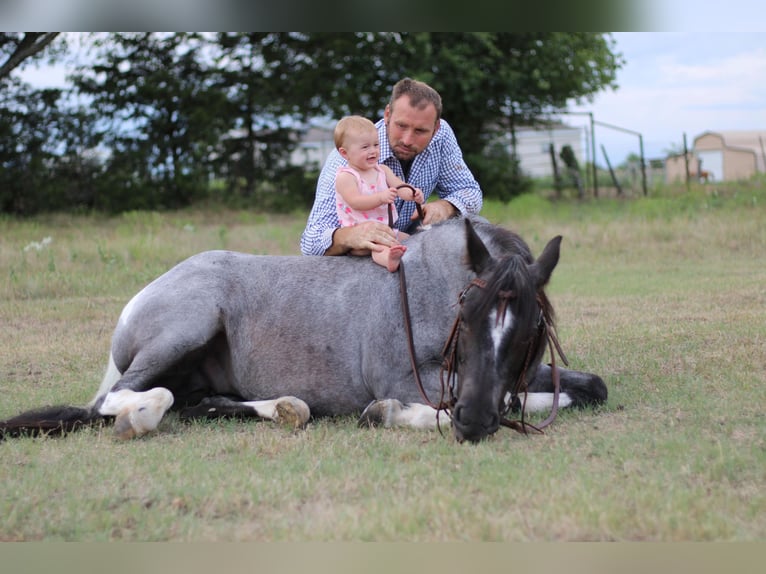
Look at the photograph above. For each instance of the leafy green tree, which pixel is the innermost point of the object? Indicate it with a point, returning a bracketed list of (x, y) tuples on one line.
[(492, 81), (169, 113), (17, 47), (30, 150), (257, 73), (164, 115), (489, 82)]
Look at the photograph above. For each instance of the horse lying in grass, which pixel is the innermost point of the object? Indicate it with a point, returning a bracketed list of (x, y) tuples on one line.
[(289, 337)]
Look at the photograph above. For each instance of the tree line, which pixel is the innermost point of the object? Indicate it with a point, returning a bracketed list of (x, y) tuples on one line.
[(161, 120)]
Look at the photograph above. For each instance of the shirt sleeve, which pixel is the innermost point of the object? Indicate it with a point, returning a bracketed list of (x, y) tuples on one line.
[(455, 182), (323, 218)]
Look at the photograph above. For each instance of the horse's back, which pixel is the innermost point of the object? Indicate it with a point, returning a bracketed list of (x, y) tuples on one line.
[(262, 326)]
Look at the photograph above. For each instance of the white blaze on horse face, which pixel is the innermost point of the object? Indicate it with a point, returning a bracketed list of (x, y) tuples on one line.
[(498, 329)]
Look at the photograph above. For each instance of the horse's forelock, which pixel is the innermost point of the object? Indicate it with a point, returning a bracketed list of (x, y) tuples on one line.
[(511, 282)]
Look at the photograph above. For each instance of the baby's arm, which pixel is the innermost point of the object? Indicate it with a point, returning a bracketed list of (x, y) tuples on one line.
[(347, 187), (406, 193)]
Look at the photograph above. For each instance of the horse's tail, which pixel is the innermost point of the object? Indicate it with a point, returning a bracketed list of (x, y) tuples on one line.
[(60, 419), (54, 420)]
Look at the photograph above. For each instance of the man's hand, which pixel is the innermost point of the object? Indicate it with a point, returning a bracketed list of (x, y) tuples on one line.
[(364, 237), (436, 211)]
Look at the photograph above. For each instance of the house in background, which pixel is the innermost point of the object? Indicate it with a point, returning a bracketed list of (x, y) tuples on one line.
[(721, 156)]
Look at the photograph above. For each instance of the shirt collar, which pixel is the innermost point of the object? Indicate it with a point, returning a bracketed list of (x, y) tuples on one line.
[(386, 152)]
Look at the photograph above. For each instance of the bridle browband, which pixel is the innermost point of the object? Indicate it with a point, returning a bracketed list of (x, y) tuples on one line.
[(448, 372)]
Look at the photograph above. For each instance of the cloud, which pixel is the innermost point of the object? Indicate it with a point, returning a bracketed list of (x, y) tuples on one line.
[(683, 83)]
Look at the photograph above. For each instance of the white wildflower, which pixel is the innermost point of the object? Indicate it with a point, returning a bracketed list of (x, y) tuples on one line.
[(39, 245)]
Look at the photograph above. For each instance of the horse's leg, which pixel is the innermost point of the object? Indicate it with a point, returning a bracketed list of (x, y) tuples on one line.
[(136, 413), (135, 400), (288, 411), (393, 413), (577, 389)]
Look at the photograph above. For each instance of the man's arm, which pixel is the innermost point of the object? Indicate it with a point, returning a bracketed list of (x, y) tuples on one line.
[(322, 222), (368, 236), (456, 184)]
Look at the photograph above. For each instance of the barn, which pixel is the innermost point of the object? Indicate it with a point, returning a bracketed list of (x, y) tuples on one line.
[(731, 155)]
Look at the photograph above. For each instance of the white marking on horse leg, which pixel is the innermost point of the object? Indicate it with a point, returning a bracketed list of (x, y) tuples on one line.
[(537, 402), (111, 376), (419, 416), (137, 413), (289, 411)]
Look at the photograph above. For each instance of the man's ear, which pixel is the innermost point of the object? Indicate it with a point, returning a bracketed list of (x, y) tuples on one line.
[(386, 113)]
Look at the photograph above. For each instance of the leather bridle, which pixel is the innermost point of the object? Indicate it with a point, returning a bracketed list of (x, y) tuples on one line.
[(448, 371)]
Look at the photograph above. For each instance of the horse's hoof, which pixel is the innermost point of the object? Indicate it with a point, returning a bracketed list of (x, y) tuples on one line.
[(142, 416), (292, 412), (123, 429), (379, 413)]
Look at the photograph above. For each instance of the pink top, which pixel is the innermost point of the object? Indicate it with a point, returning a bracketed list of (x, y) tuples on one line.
[(349, 216)]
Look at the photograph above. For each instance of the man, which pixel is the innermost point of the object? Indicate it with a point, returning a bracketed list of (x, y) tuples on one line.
[(422, 150)]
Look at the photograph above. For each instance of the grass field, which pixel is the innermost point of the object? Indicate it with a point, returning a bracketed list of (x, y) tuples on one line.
[(664, 297)]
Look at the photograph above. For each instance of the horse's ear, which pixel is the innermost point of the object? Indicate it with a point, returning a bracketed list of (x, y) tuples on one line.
[(478, 254), (546, 263)]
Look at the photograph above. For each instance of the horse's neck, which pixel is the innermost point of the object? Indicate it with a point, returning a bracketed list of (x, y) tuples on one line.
[(439, 261)]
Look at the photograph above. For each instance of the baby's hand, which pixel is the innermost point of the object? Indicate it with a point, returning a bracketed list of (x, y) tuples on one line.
[(387, 196), (409, 193)]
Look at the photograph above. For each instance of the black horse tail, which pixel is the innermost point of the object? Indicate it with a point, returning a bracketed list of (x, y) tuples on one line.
[(54, 420)]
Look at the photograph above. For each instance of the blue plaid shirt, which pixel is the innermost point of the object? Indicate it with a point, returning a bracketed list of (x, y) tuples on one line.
[(438, 168)]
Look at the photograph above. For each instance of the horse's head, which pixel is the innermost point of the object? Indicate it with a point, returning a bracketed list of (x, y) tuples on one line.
[(500, 333)]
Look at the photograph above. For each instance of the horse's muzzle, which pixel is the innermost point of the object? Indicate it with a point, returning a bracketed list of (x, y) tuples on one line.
[(474, 425)]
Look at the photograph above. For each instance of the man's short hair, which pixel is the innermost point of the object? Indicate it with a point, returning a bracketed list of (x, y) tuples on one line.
[(420, 94)]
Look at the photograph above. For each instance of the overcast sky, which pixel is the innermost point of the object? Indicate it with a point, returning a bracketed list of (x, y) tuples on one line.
[(680, 82)]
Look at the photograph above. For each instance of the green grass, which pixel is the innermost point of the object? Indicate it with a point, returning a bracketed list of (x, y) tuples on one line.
[(662, 296)]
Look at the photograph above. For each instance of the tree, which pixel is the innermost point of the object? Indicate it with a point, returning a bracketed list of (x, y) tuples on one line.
[(492, 81), (175, 111), (256, 71), (17, 47), (488, 81), (165, 116)]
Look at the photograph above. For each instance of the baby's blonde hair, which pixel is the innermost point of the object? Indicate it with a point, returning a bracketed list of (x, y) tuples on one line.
[(351, 124)]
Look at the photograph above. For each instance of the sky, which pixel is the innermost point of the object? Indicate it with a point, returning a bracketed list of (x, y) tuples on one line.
[(676, 83), (671, 84)]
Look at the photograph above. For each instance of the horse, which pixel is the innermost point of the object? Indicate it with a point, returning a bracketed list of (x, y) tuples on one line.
[(288, 338)]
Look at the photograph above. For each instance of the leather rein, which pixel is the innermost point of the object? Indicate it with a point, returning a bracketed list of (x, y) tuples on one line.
[(448, 372)]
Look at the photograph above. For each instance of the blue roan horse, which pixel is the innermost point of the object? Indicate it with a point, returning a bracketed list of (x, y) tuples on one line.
[(289, 337)]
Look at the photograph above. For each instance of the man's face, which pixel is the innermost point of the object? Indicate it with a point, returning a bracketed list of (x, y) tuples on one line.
[(409, 129)]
